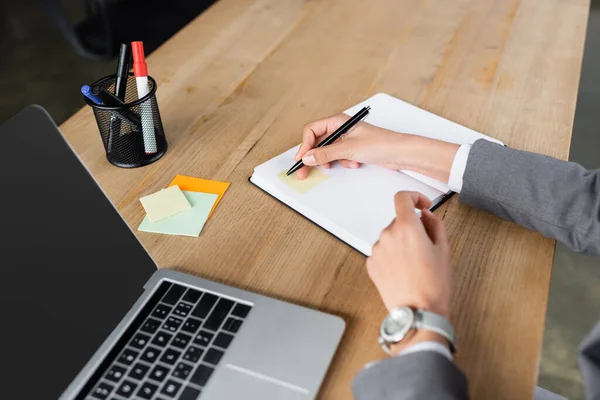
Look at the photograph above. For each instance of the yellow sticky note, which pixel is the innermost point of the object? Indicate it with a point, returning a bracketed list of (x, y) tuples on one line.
[(165, 203), (191, 184), (315, 177)]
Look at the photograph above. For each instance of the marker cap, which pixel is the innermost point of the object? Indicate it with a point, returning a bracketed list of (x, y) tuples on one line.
[(139, 61)]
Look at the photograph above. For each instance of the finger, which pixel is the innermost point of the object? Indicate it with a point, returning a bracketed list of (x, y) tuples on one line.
[(336, 151), (406, 202), (345, 163), (315, 130), (302, 173), (326, 165), (434, 226)]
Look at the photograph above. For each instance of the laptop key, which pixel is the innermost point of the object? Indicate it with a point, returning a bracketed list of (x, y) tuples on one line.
[(203, 338), (189, 393), (161, 311), (170, 356), (150, 354), (161, 339), (192, 295), (191, 325), (218, 314), (138, 371), (159, 373), (115, 373), (232, 324), (128, 356), (147, 390), (126, 389), (172, 324), (151, 325), (206, 303), (241, 310), (173, 294), (181, 340), (170, 388), (193, 354), (139, 341), (182, 370), (213, 356), (182, 309), (201, 375), (102, 391), (223, 340)]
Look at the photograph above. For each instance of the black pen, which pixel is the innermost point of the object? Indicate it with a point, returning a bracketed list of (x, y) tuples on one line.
[(336, 135), (122, 71)]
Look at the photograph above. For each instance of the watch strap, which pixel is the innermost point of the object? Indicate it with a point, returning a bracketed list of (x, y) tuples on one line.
[(433, 322)]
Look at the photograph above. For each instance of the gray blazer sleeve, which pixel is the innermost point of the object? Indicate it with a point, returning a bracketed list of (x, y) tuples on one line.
[(589, 363), (421, 375), (559, 199)]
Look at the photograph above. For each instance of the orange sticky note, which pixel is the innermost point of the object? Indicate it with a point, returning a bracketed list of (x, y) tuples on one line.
[(192, 184)]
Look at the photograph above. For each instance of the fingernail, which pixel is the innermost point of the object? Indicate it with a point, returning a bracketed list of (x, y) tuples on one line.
[(353, 165), (308, 159)]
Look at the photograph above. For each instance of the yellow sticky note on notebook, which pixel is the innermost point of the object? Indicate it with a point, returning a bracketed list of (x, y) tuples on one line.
[(314, 178), (192, 184), (165, 203)]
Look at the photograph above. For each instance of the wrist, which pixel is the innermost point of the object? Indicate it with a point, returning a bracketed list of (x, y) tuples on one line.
[(418, 336), (426, 156)]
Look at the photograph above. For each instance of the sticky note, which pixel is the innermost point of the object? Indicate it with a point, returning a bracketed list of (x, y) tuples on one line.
[(315, 177), (187, 223), (165, 203), (191, 184)]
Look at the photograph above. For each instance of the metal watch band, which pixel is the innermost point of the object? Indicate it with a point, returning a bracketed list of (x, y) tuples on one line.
[(436, 323)]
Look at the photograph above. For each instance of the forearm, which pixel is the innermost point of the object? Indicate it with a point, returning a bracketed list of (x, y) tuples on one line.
[(426, 156), (559, 199)]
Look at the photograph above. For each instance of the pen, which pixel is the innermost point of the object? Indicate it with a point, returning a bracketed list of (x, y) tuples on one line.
[(106, 97), (111, 100), (122, 72), (87, 92), (140, 71), (336, 135)]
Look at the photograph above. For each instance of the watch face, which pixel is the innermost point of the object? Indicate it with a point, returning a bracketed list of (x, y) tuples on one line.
[(397, 324)]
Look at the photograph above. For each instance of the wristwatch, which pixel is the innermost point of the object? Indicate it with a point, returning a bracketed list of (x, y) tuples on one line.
[(401, 320)]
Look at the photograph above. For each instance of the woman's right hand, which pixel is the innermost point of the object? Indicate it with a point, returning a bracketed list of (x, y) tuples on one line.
[(364, 144), (369, 144)]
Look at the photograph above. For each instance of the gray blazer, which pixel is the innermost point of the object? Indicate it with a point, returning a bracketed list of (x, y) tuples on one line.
[(556, 198)]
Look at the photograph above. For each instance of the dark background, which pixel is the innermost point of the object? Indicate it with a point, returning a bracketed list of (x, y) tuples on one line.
[(39, 65)]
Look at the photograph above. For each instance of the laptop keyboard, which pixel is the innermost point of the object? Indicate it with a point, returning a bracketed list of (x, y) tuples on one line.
[(171, 349)]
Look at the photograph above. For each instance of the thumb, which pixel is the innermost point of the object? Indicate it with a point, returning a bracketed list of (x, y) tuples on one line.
[(333, 152)]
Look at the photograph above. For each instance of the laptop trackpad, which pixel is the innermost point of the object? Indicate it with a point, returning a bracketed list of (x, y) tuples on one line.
[(232, 382)]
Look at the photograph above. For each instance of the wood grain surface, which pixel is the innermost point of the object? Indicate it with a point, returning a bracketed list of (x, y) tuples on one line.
[(239, 82)]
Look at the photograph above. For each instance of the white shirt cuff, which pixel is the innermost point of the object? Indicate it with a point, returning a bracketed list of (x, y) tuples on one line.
[(458, 168), (422, 346), (427, 346)]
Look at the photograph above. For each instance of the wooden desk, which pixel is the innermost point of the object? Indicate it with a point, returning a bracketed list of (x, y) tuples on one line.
[(238, 83)]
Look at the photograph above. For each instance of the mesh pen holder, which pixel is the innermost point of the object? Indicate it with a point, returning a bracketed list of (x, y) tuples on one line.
[(132, 134)]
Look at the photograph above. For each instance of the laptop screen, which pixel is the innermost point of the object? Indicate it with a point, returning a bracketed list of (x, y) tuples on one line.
[(71, 267)]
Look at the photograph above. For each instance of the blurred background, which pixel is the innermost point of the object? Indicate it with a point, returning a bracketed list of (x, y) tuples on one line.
[(51, 47)]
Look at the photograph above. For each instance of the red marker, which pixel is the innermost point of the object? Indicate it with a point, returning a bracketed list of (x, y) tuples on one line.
[(140, 70)]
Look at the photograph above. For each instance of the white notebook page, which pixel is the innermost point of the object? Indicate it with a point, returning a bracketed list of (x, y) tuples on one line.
[(354, 205)]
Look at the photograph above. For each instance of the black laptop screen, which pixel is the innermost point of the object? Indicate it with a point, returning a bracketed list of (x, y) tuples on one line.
[(71, 268)]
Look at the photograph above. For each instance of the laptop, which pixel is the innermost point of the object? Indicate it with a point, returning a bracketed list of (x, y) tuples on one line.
[(87, 315)]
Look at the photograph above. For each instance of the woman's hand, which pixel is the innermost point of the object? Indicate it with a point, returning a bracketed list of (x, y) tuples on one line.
[(368, 144)]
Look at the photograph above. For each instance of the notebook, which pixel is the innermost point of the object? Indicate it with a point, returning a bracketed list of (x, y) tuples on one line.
[(355, 205)]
